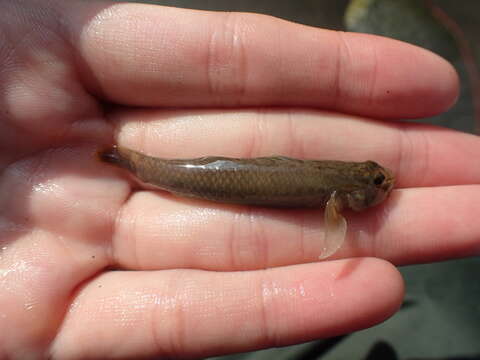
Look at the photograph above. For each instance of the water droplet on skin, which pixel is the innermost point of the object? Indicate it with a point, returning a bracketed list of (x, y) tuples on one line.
[(46, 187)]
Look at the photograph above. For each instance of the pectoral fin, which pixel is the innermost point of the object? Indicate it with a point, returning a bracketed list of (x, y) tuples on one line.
[(336, 227)]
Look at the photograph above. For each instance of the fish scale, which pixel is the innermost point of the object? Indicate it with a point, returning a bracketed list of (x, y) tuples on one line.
[(267, 181)]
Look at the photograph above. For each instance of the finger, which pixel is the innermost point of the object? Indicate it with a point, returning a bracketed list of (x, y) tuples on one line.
[(419, 226), (418, 155), (413, 226), (149, 55), (195, 314)]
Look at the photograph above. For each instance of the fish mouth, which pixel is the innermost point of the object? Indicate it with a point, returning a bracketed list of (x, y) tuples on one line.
[(389, 180), (386, 187)]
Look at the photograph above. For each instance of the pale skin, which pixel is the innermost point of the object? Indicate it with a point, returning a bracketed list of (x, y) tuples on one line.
[(67, 220)]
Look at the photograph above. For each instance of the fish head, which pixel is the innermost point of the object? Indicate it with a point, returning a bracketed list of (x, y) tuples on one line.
[(375, 184)]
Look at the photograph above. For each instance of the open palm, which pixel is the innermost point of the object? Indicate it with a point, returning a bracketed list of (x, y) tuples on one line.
[(92, 267)]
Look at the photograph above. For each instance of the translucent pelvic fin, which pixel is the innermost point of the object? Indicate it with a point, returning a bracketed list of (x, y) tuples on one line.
[(336, 228)]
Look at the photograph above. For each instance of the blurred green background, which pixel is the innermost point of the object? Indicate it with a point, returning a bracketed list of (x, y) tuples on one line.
[(440, 318)]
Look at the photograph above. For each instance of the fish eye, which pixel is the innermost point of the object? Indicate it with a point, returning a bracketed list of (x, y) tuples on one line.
[(379, 179)]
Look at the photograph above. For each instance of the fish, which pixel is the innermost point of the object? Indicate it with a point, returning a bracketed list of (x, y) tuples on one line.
[(274, 181)]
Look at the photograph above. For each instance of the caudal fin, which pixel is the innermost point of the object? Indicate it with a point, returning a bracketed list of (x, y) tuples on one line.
[(113, 156)]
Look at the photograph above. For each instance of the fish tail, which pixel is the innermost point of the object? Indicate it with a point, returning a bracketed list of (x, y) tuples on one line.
[(113, 155)]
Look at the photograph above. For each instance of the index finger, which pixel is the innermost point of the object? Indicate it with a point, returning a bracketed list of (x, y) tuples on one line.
[(158, 56)]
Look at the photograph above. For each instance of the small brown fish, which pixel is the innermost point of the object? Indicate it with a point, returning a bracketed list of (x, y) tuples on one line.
[(275, 181)]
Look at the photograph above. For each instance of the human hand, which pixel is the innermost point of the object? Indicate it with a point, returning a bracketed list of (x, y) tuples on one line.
[(91, 269)]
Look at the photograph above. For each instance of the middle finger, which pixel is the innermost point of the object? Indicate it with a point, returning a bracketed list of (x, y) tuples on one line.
[(165, 231)]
